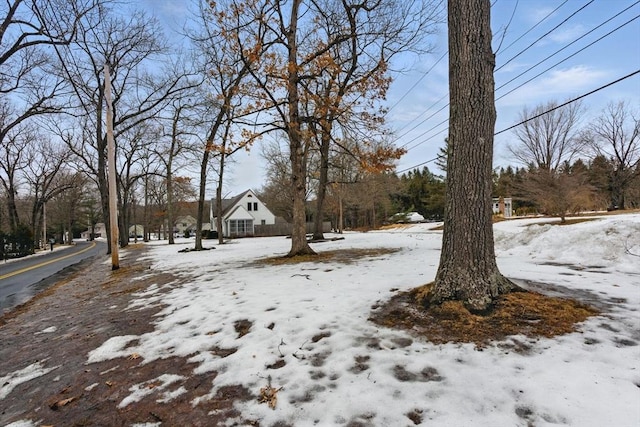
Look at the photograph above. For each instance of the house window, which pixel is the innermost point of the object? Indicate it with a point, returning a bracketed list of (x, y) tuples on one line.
[(249, 206), (263, 222), (240, 227), (255, 206)]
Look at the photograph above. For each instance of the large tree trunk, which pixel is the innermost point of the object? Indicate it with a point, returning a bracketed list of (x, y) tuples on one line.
[(145, 211), (322, 185), (299, 244), (12, 209), (468, 270), (219, 200), (201, 198), (170, 219)]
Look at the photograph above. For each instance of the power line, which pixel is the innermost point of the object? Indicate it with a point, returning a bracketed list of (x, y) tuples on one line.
[(568, 57), (524, 72), (570, 44), (418, 165), (532, 28), (427, 118), (416, 83), (443, 97), (543, 113), (427, 131), (570, 101), (545, 35)]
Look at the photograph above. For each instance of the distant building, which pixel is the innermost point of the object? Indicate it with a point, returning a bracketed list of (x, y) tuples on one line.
[(183, 225), (99, 230), (136, 231), (240, 215), (502, 206)]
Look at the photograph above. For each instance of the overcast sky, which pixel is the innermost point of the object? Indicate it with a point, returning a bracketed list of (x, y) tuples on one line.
[(526, 32)]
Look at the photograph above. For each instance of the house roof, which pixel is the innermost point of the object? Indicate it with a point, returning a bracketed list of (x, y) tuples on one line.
[(228, 204)]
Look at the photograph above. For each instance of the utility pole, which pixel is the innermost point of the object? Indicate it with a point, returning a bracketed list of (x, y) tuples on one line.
[(111, 159), (44, 225)]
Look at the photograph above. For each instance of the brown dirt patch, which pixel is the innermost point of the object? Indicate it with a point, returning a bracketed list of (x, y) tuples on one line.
[(517, 313), (86, 309), (344, 256), (567, 221)]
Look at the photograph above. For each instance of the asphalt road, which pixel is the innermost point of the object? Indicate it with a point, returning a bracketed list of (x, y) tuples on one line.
[(23, 278)]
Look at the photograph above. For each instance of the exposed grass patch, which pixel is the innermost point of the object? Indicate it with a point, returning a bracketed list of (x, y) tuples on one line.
[(517, 313), (344, 256)]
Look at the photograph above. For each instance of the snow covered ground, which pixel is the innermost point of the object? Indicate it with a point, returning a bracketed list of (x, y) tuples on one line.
[(309, 334)]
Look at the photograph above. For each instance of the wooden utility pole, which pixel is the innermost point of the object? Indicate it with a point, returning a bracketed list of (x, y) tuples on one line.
[(44, 226), (111, 160)]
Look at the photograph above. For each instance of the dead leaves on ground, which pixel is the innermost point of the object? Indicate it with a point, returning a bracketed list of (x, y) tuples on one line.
[(269, 395), (343, 256), (517, 313), (60, 403)]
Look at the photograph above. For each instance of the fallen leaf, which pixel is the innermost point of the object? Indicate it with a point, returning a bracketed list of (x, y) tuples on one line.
[(134, 356), (269, 395), (61, 403), (109, 383)]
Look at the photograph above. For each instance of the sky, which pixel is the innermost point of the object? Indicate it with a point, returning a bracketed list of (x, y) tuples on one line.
[(311, 336), (525, 34)]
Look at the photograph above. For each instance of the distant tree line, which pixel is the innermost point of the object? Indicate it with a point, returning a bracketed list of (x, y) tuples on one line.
[(564, 169)]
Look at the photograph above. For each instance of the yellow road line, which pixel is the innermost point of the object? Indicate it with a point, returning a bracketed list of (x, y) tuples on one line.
[(42, 264)]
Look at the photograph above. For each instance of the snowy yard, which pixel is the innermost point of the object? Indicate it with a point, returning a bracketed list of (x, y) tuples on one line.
[(303, 329)]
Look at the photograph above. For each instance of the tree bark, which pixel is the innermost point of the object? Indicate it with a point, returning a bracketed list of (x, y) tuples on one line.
[(468, 271), (219, 201), (322, 185), (201, 198), (299, 244)]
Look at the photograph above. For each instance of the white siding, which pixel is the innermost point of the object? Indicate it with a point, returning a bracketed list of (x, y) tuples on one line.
[(258, 215)]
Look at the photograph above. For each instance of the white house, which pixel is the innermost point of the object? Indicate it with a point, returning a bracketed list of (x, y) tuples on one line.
[(502, 206), (99, 230), (241, 214), (184, 224)]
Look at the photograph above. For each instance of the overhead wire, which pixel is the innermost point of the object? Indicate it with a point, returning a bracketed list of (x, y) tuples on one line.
[(591, 92), (444, 96), (529, 69), (532, 28), (575, 41), (545, 35)]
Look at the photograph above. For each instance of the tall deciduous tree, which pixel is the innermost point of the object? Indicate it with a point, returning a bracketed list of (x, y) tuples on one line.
[(350, 77), (548, 136), (29, 87), (468, 271), (227, 56), (548, 140), (320, 56), (128, 44), (615, 135), (48, 176)]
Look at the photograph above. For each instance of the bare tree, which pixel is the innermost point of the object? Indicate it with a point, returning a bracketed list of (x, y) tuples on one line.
[(548, 135), (128, 45), (47, 176), (179, 128), (13, 155), (351, 77), (558, 192), (468, 271), (64, 208), (548, 139), (615, 135), (29, 87), (226, 56), (307, 38)]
